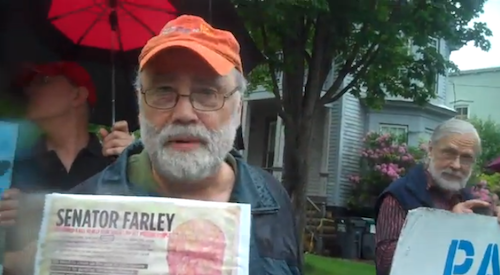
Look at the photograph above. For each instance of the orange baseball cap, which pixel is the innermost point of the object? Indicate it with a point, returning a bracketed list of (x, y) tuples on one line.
[(71, 70), (219, 48)]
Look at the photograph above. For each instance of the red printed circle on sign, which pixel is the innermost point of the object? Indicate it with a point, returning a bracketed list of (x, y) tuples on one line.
[(196, 247)]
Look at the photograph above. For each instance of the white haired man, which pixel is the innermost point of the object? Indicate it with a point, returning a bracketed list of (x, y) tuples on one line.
[(440, 183), (190, 87)]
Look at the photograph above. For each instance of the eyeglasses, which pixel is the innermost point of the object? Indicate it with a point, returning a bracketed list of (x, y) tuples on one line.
[(449, 155), (205, 100)]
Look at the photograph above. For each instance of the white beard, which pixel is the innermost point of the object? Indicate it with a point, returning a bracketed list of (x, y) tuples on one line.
[(449, 185), (185, 167)]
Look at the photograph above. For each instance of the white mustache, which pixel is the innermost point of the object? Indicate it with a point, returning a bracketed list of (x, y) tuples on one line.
[(453, 173), (176, 131)]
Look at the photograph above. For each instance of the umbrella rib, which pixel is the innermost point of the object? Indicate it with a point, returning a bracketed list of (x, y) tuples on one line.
[(89, 28), (147, 7), (70, 13), (138, 21)]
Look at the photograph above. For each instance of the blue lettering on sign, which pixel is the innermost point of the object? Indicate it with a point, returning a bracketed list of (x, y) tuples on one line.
[(489, 259)]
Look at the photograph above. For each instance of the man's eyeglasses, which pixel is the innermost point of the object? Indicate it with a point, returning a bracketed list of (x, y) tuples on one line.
[(451, 155), (205, 100)]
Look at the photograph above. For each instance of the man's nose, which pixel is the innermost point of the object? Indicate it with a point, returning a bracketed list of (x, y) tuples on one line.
[(455, 165), (183, 111)]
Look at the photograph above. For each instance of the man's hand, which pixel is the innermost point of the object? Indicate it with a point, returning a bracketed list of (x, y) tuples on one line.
[(468, 206), (20, 262), (117, 140), (9, 207)]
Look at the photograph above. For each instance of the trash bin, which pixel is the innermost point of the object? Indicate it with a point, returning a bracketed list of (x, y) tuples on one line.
[(350, 236), (368, 242)]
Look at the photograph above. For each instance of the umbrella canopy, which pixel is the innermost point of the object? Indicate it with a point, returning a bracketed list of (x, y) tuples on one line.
[(30, 39), (91, 29)]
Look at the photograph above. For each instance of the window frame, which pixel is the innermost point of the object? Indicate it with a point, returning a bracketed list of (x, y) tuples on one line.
[(460, 115), (396, 127)]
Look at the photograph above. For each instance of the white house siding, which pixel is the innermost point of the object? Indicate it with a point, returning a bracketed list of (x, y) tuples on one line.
[(334, 152), (441, 83), (352, 130), (478, 91)]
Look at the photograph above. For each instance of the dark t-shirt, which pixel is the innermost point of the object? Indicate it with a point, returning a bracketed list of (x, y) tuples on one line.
[(41, 171)]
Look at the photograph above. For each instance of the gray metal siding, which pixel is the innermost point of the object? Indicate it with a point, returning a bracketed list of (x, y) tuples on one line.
[(316, 186), (352, 132), (334, 151)]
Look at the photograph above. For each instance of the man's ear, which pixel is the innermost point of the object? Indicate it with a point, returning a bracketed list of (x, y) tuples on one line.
[(81, 95)]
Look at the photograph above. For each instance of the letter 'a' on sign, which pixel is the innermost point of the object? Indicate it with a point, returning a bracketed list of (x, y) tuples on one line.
[(489, 261)]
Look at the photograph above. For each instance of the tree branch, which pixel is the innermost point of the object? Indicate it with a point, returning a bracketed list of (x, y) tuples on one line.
[(367, 61), (344, 71), (332, 95), (315, 74)]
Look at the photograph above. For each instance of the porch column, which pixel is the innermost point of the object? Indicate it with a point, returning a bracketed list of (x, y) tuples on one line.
[(245, 126), (279, 145)]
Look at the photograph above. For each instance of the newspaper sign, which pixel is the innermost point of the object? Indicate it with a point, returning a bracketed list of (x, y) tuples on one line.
[(439, 242), (8, 145), (142, 235)]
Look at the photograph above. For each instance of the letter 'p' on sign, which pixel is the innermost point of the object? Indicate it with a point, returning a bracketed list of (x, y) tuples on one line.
[(461, 258)]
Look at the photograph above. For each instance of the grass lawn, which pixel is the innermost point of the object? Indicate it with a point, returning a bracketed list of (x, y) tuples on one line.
[(317, 265)]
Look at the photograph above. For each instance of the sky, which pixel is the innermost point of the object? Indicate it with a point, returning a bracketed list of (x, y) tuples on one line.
[(470, 57)]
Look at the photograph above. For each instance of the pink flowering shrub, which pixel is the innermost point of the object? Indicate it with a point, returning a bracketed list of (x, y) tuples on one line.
[(384, 159), (482, 192)]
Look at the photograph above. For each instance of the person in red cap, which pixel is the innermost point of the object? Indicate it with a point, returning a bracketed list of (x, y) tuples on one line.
[(59, 97), (190, 87)]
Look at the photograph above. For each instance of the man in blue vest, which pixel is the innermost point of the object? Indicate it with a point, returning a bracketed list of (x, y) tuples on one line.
[(190, 86), (439, 183)]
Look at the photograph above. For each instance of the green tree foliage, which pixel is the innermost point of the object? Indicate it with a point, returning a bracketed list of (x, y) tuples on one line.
[(489, 131), (380, 47)]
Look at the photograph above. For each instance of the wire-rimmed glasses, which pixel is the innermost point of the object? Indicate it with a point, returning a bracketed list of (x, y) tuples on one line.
[(165, 98)]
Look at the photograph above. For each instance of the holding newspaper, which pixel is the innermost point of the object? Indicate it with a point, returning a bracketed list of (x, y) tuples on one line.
[(134, 235), (190, 86)]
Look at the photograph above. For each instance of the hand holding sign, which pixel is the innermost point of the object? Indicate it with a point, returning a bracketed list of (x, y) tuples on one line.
[(468, 206), (9, 207)]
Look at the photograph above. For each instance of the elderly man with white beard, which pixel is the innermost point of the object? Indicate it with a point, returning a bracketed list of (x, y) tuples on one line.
[(190, 86), (439, 183)]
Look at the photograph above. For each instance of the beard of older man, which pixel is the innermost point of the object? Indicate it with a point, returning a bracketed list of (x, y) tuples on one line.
[(195, 165), (445, 184)]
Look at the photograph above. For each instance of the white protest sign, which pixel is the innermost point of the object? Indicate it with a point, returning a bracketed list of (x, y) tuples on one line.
[(438, 242), (142, 236)]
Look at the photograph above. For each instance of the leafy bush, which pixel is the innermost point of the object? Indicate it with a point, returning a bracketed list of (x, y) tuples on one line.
[(384, 159)]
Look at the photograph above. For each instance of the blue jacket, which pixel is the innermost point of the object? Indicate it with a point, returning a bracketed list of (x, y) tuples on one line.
[(274, 245), (411, 191)]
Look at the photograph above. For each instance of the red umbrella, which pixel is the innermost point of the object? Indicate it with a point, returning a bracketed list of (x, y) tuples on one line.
[(113, 25), (114, 31), (128, 24)]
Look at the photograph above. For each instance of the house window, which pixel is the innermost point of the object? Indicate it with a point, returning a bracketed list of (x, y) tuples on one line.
[(462, 112), (400, 131), (270, 144), (434, 42)]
